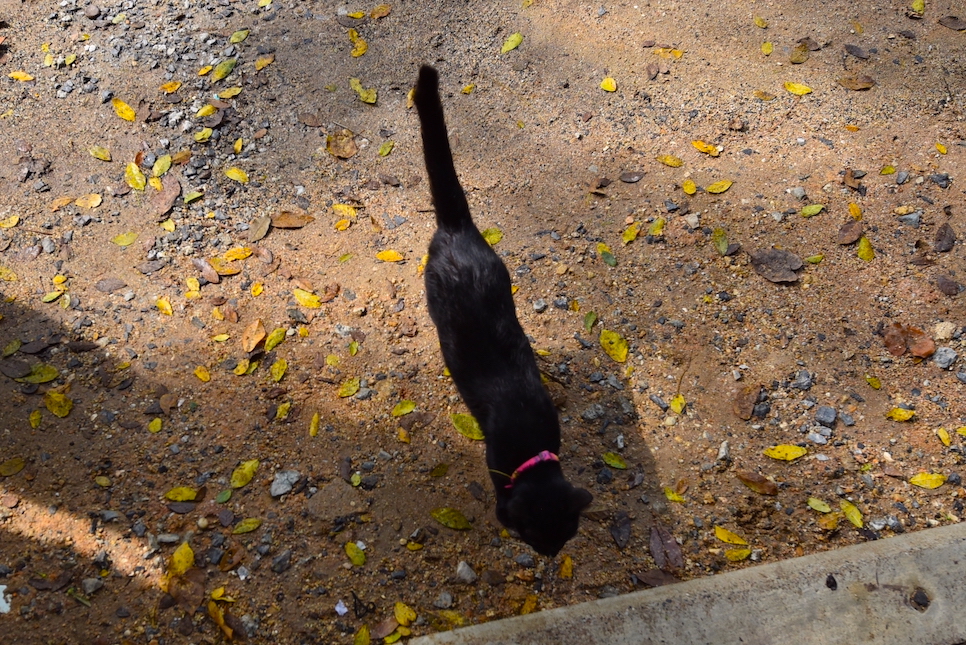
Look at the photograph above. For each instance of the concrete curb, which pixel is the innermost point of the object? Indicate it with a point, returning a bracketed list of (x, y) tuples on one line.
[(905, 589)]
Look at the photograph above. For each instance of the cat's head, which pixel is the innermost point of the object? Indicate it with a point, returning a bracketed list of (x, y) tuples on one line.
[(544, 512)]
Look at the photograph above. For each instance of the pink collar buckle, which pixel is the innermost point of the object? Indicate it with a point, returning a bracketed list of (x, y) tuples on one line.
[(544, 455)]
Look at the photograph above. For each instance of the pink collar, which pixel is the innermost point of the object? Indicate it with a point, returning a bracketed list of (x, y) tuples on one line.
[(544, 455)]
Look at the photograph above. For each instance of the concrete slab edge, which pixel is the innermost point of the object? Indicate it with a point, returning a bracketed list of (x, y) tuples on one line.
[(905, 589)]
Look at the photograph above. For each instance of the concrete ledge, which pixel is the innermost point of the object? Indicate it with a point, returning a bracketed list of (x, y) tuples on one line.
[(905, 589)]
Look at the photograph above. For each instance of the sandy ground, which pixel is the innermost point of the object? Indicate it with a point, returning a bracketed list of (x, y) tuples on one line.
[(89, 542)]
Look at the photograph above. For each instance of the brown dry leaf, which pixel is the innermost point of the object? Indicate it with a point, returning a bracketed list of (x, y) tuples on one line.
[(776, 265), (799, 55), (665, 549), (188, 590), (757, 483), (952, 22), (341, 144), (290, 219), (59, 203), (745, 400), (895, 339), (253, 335), (850, 232), (856, 82)]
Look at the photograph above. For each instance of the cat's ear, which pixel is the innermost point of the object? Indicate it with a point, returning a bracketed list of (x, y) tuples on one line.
[(580, 498)]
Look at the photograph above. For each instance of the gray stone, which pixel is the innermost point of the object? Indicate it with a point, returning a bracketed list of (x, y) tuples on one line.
[(540, 305), (91, 585), (816, 438), (92, 11), (444, 601), (798, 192), (465, 573), (284, 482), (961, 376), (169, 538), (902, 177), (282, 561), (803, 380), (912, 219), (825, 415), (945, 357), (525, 560)]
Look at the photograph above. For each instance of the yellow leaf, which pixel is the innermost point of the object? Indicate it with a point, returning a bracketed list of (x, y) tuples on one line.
[(677, 403), (207, 110), (356, 555), (381, 11), (608, 85), (155, 183), (785, 452), (614, 345), (566, 571), (451, 518), (229, 93), (237, 174), (855, 211), (389, 256), (92, 200), (342, 224), (52, 296), (943, 435), (307, 298), (941, 148), (223, 69), (492, 235), (761, 22), (277, 371), (58, 404), (35, 418), (263, 62), (22, 76), (763, 96), (403, 407), (918, 6), (410, 98), (161, 166), (349, 387), (100, 152), (865, 251), (873, 381), (467, 425), (164, 306), (727, 536), (314, 425), (737, 555), (529, 604), (900, 414), (852, 512), (887, 170), (220, 338), (719, 186), (202, 373), (244, 473), (203, 135), (672, 496), (707, 148), (12, 466), (359, 48), (689, 187), (181, 494), (204, 70), (123, 110), (154, 427), (961, 431), (344, 210), (468, 89), (257, 289), (767, 48), (134, 177), (512, 42), (247, 525), (217, 616), (366, 96), (171, 87), (797, 88), (928, 480), (656, 229), (818, 505), (237, 146), (238, 253), (182, 559), (404, 614), (630, 233), (362, 637), (238, 36)]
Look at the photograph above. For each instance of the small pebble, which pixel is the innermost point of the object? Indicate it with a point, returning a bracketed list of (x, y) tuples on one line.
[(540, 305), (282, 561), (525, 560), (92, 11), (945, 357), (465, 573), (444, 601), (825, 415), (91, 585)]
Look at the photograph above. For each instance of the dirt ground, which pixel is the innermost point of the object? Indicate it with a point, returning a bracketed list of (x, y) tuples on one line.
[(89, 542)]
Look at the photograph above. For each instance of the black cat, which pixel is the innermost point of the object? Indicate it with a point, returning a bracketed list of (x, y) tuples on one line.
[(487, 353)]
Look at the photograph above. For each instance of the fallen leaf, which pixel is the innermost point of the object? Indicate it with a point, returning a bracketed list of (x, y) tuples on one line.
[(706, 148), (797, 88), (23, 77), (451, 518), (341, 144), (228, 93), (218, 616), (566, 570), (247, 525), (275, 338), (928, 481), (664, 549), (181, 560), (202, 373), (763, 96), (689, 187), (155, 425), (170, 87), (403, 407), (608, 85), (944, 437), (181, 494), (123, 110), (386, 148), (785, 452), (776, 265), (307, 298), (952, 22), (767, 48), (134, 177), (512, 42), (760, 22), (389, 256), (244, 473), (799, 55), (864, 250), (238, 36), (356, 555), (264, 61), (757, 482), (727, 536), (673, 496), (630, 233), (254, 334), (164, 306), (614, 345), (719, 186), (100, 152), (812, 210), (856, 82), (818, 505), (223, 69), (900, 414), (670, 160), (492, 236), (381, 11), (366, 96), (92, 200), (467, 426), (614, 460), (737, 555), (850, 232), (349, 387), (58, 403), (11, 467), (39, 373), (237, 174), (852, 512)]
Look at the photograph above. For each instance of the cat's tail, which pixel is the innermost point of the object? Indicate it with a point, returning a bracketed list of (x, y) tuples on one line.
[(452, 211)]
